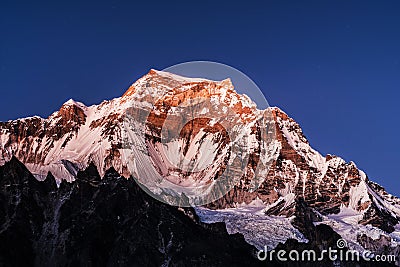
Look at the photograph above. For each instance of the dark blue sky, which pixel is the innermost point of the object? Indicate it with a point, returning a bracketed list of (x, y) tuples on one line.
[(334, 66)]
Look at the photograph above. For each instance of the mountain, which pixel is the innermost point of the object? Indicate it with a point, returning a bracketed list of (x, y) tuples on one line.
[(284, 191)]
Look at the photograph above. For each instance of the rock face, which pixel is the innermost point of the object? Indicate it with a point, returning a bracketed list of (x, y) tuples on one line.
[(104, 222), (111, 221), (300, 184), (324, 183), (324, 191)]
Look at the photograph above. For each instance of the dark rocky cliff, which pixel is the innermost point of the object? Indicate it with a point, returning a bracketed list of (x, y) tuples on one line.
[(104, 222)]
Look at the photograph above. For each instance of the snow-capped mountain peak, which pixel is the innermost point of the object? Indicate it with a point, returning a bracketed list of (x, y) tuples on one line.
[(299, 182)]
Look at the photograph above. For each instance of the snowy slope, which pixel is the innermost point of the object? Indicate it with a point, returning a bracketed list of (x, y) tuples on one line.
[(129, 134)]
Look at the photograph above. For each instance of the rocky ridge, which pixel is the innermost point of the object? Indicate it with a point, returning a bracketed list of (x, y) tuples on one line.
[(334, 192)]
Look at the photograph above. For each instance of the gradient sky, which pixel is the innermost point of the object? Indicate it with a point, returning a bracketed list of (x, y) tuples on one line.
[(334, 66)]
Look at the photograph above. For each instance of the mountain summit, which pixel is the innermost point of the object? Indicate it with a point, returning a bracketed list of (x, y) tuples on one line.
[(299, 190)]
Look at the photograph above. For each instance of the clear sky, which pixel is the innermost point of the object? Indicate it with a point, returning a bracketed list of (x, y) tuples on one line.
[(334, 66)]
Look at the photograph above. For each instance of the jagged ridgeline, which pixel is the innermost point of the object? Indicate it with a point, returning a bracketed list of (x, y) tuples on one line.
[(301, 193)]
